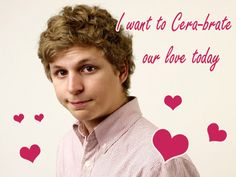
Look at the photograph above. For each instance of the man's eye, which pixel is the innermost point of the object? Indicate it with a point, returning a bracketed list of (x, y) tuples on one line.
[(61, 73), (88, 69)]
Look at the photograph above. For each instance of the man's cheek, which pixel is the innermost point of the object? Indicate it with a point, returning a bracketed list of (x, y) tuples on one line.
[(61, 97)]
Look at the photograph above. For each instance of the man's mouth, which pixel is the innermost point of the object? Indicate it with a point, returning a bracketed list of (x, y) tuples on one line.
[(79, 104)]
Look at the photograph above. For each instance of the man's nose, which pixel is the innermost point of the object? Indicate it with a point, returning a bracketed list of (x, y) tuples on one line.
[(75, 83)]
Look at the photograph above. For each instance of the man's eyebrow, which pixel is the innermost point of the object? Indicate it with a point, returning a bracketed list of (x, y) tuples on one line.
[(81, 62)]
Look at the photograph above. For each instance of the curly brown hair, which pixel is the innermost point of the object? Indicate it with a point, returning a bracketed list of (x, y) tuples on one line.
[(87, 26)]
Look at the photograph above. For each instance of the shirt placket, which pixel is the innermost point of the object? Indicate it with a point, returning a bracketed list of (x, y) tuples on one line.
[(88, 160)]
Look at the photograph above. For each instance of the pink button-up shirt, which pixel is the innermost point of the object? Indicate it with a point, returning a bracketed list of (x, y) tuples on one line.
[(120, 146)]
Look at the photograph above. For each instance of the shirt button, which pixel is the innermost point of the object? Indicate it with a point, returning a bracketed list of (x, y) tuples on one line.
[(87, 164)]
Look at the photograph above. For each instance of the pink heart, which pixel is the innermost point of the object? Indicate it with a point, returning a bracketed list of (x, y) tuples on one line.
[(30, 154), (215, 134), (39, 117), (169, 147), (173, 102), (18, 118)]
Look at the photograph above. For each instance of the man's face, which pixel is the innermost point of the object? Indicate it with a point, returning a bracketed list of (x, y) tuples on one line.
[(86, 83)]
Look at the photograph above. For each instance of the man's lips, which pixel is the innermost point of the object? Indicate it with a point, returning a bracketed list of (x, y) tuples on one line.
[(79, 104)]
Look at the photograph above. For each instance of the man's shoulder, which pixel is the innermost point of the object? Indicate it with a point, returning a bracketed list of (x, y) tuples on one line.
[(179, 166), (141, 137), (143, 129)]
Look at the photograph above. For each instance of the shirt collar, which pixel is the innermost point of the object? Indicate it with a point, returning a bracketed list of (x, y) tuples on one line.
[(114, 126)]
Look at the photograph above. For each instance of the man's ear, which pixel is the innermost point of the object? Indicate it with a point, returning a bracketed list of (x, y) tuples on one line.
[(123, 73)]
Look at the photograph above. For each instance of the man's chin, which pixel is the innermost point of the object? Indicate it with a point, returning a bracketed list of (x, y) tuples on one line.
[(80, 114)]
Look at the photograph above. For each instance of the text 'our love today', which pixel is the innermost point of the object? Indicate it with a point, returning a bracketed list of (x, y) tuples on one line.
[(198, 57)]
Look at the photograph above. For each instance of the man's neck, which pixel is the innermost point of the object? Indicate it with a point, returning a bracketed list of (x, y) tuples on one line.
[(91, 124)]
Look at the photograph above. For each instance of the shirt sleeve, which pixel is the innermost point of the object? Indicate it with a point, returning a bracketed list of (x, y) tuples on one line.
[(178, 167)]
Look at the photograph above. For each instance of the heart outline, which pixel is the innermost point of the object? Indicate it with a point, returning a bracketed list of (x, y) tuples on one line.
[(31, 153), (173, 102), (215, 134), (18, 118), (170, 147), (39, 117)]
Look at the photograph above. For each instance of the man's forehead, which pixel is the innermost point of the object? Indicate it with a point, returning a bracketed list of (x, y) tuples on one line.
[(80, 49), (61, 63), (80, 54)]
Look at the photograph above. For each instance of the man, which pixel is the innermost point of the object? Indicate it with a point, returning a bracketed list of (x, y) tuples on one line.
[(90, 64)]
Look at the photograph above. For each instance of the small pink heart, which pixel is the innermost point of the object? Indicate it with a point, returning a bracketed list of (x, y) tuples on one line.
[(39, 117), (215, 134), (173, 102), (30, 154), (169, 147), (18, 118)]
